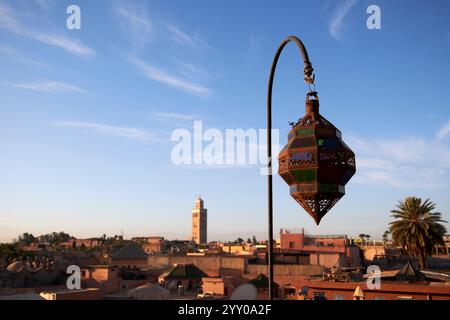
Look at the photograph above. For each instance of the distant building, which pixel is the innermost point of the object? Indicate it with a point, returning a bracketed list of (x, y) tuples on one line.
[(130, 256), (390, 290), (329, 251), (223, 285), (104, 277), (81, 294), (152, 245), (243, 249), (81, 243), (187, 275), (199, 222)]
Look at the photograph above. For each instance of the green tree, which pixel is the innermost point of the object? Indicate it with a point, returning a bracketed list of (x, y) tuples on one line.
[(254, 241), (26, 239), (9, 251), (417, 229)]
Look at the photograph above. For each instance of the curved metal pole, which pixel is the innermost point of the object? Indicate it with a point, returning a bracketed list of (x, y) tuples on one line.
[(309, 78)]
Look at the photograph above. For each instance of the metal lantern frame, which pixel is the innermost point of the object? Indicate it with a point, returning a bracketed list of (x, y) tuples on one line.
[(315, 163)]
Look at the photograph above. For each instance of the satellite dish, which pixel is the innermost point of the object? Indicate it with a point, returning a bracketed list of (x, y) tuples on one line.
[(246, 291)]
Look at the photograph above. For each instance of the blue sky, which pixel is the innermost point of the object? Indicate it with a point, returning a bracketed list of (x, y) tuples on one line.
[(86, 115)]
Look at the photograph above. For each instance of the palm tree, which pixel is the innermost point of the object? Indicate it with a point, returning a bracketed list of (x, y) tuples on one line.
[(362, 238), (417, 229), (386, 236)]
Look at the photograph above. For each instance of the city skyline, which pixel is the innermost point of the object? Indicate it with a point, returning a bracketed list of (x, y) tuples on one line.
[(87, 115)]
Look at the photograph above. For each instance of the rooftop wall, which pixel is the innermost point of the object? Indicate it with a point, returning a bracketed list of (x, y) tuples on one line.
[(208, 264), (286, 270)]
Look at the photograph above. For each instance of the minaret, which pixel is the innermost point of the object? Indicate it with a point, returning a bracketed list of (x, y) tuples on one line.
[(199, 222)]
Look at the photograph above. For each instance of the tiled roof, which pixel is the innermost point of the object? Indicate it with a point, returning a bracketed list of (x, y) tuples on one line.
[(130, 252), (185, 271), (262, 282), (410, 273)]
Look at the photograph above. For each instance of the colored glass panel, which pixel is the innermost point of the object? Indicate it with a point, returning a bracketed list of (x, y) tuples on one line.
[(328, 187), (307, 175), (305, 132), (302, 156)]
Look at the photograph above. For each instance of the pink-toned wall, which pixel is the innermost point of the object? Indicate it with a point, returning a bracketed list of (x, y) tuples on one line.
[(216, 286), (106, 279), (389, 290), (89, 294), (132, 263), (328, 252)]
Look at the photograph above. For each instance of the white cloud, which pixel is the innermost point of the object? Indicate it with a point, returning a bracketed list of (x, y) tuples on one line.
[(163, 76), (172, 116), (190, 70), (444, 131), (183, 38), (406, 162), (50, 87), (135, 24), (63, 43), (137, 134), (339, 17), (9, 22)]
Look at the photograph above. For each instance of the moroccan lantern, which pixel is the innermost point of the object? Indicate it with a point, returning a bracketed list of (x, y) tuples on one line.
[(316, 163)]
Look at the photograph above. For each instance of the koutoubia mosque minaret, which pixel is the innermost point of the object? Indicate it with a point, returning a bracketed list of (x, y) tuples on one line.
[(199, 222)]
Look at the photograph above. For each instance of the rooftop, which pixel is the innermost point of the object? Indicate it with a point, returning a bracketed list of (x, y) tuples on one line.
[(130, 252), (185, 271)]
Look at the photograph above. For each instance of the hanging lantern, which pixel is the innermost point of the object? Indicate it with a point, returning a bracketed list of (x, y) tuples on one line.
[(316, 163)]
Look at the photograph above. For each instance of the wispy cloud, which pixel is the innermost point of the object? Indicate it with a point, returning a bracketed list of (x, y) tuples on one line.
[(45, 4), (183, 38), (190, 70), (164, 77), (172, 116), (339, 16), (405, 162), (444, 131), (17, 56), (135, 23), (9, 21), (50, 87), (137, 134)]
